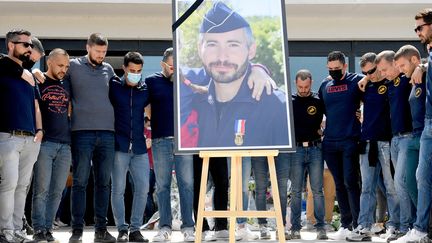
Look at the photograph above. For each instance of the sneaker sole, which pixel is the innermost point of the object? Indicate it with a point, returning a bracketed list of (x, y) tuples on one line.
[(364, 239)]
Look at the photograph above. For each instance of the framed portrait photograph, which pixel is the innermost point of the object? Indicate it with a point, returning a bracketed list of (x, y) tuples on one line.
[(231, 77)]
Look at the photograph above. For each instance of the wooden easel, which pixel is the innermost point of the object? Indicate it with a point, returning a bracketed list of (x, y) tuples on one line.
[(236, 201)]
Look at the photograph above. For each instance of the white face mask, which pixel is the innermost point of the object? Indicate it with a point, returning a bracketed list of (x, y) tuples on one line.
[(134, 77)]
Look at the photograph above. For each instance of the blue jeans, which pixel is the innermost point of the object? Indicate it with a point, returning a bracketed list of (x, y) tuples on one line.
[(260, 170), (370, 176), (50, 174), (139, 168), (307, 159), (246, 172), (91, 150), (343, 161), (424, 178), (164, 160), (17, 155), (402, 148)]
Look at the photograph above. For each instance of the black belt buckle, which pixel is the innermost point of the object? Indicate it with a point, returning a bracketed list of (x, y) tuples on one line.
[(20, 133)]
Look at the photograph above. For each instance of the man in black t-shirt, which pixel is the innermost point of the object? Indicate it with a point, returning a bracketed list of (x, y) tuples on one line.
[(308, 115), (54, 160)]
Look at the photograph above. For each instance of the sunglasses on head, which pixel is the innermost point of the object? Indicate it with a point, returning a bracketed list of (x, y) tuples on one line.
[(370, 72), (420, 27), (25, 44)]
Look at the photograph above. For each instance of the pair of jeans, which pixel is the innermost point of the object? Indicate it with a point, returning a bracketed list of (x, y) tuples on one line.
[(139, 169), (261, 172), (342, 159), (307, 159), (370, 176), (329, 198), (403, 156), (50, 174), (424, 178), (91, 150), (164, 160), (246, 175), (17, 155), (150, 205), (219, 172)]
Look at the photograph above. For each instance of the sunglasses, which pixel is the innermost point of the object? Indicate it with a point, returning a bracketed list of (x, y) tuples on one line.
[(370, 72), (420, 27), (25, 44)]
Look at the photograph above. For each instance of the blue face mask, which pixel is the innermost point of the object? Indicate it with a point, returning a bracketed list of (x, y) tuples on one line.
[(134, 78)]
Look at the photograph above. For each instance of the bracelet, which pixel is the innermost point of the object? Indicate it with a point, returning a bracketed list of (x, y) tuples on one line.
[(40, 130)]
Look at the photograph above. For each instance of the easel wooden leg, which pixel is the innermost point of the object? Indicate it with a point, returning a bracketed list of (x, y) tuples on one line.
[(239, 185), (201, 202), (276, 199), (233, 198)]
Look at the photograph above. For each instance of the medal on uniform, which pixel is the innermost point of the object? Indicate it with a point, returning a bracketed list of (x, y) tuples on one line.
[(239, 130)]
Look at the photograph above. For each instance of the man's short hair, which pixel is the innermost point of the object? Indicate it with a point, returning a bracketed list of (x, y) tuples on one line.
[(133, 57), (407, 51), (336, 56), (369, 57), (425, 14), (386, 55), (57, 52), (303, 74), (97, 39), (13, 35), (37, 46), (167, 53)]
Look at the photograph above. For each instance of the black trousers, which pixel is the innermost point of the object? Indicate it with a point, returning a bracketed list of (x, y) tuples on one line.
[(218, 169)]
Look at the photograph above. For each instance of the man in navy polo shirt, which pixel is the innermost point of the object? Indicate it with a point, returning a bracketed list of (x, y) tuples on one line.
[(424, 171), (375, 154), (129, 97), (20, 135), (161, 98), (308, 115), (341, 98)]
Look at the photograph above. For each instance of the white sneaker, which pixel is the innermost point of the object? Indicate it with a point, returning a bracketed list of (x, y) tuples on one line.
[(189, 235), (21, 236), (208, 236), (377, 228), (164, 234), (245, 234), (411, 236), (222, 234), (389, 232), (341, 234), (264, 232), (10, 236)]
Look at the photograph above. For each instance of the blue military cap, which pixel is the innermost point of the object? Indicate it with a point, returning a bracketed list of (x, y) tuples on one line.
[(220, 18)]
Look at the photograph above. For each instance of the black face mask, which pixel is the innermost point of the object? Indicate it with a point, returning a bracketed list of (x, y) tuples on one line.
[(336, 74), (28, 64)]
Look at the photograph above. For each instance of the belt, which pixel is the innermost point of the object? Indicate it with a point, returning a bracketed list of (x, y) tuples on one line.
[(308, 144), (21, 133), (402, 134)]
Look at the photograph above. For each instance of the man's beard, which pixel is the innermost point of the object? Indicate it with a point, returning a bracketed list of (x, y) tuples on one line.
[(94, 61), (224, 78), (22, 56)]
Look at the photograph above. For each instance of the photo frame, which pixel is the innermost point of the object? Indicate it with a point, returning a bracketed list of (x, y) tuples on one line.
[(223, 52)]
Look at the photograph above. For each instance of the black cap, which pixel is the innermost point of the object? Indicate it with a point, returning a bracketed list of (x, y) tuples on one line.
[(220, 18)]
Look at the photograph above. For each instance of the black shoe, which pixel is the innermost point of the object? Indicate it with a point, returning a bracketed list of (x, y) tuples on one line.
[(395, 236), (76, 236), (29, 230), (49, 236), (321, 234), (295, 235), (104, 236), (39, 237), (136, 236), (123, 236)]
